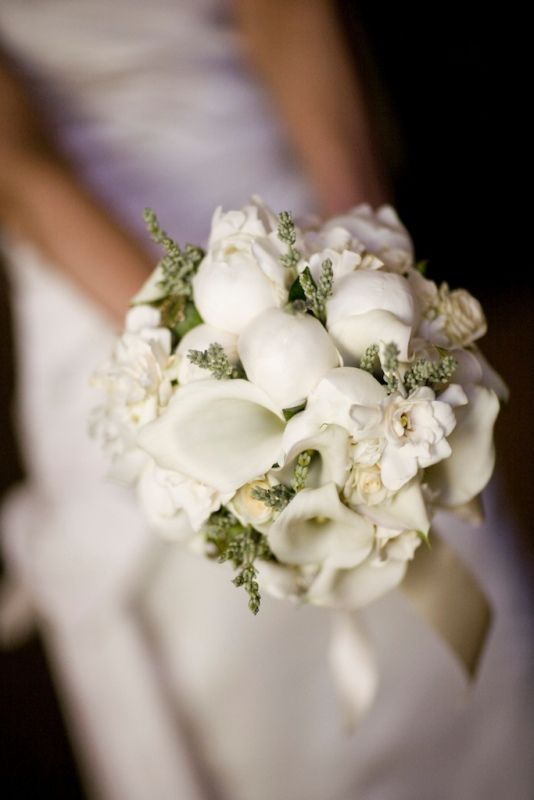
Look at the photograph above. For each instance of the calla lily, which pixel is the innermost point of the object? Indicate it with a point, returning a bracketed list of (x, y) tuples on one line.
[(200, 338), (369, 306), (406, 510), (332, 445), (221, 433), (286, 355), (463, 475), (355, 588), (316, 526)]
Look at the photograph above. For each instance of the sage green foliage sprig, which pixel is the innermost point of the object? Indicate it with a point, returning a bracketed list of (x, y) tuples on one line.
[(317, 294), (242, 546), (178, 266), (216, 361), (430, 373), (369, 361), (389, 360), (280, 495), (288, 235)]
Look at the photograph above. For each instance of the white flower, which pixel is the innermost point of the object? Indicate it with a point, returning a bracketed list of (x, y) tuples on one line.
[(331, 456), (286, 355), (414, 432), (331, 403), (137, 384), (466, 472), (452, 319), (316, 527), (364, 486), (175, 505), (222, 433), (402, 510), (368, 306), (200, 338), (379, 232), (241, 274), (356, 587), (397, 545), (247, 508)]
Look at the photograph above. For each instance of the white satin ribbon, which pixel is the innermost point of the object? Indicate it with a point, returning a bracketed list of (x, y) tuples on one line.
[(446, 595)]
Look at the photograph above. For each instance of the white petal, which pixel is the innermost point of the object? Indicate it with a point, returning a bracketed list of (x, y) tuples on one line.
[(200, 338), (333, 399), (230, 295), (466, 472), (396, 467), (355, 588), (371, 290), (151, 290), (286, 355), (406, 510), (332, 444), (222, 433), (316, 526), (353, 334)]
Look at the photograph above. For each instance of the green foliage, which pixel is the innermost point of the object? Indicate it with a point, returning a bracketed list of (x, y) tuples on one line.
[(316, 295), (240, 545), (290, 412), (389, 360), (302, 468), (178, 266), (188, 320), (369, 360), (277, 497), (288, 235), (430, 373), (216, 361)]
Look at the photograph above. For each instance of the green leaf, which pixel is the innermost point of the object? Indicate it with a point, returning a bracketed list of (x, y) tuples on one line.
[(421, 266), (290, 412), (191, 318), (296, 292), (424, 538)]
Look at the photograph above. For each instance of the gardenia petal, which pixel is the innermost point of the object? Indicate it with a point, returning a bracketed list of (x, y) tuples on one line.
[(200, 338), (222, 433), (469, 467), (316, 526), (286, 355)]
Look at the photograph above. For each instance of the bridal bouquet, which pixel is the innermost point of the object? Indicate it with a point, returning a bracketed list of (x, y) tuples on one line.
[(299, 400)]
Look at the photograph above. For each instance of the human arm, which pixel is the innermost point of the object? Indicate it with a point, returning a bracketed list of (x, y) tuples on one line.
[(44, 202)]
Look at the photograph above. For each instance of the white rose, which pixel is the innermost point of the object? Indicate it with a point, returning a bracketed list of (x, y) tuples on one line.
[(369, 306), (241, 275), (200, 338), (452, 318), (364, 486), (247, 508), (316, 527), (286, 355)]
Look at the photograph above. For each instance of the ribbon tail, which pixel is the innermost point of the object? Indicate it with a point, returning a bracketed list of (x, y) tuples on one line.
[(448, 597), (353, 667)]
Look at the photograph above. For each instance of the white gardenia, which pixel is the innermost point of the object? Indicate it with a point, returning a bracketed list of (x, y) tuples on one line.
[(354, 444), (413, 431), (286, 355)]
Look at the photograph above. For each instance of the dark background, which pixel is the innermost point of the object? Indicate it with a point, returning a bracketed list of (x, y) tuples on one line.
[(439, 85)]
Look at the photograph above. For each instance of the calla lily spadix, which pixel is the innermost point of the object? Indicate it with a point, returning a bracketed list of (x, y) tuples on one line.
[(221, 433)]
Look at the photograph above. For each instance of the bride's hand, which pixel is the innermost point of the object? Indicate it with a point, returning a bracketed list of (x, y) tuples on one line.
[(43, 202)]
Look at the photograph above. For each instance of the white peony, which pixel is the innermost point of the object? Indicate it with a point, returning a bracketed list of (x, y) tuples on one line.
[(241, 274), (379, 232), (200, 338), (286, 355), (369, 306)]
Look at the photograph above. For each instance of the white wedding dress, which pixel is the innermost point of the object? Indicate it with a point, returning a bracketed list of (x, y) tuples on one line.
[(172, 689)]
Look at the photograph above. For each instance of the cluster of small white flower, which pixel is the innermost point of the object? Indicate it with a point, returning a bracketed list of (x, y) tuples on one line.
[(342, 350)]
